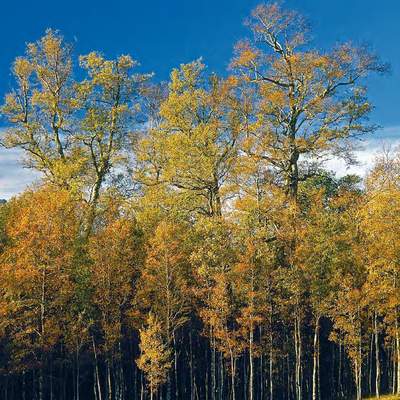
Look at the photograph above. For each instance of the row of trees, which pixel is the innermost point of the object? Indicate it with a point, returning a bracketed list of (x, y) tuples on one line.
[(185, 241)]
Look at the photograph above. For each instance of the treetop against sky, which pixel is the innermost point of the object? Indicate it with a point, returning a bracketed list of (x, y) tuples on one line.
[(161, 35)]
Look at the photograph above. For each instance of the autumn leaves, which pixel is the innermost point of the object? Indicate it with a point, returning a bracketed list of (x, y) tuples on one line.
[(185, 241)]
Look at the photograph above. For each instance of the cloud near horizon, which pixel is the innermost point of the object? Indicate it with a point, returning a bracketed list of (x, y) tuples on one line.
[(14, 178), (369, 149)]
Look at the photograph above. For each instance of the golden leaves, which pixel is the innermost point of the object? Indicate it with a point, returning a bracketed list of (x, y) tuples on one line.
[(155, 359), (245, 55), (22, 68), (42, 230)]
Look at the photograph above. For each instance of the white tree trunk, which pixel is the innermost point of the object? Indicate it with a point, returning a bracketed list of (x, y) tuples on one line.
[(315, 377), (377, 360)]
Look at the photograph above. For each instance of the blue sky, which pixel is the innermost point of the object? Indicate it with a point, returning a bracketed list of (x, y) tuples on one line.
[(162, 34)]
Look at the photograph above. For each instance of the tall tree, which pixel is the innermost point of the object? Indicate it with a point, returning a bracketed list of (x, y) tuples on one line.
[(110, 97), (193, 149), (42, 107), (308, 102), (73, 132), (163, 286), (213, 259), (380, 226), (155, 359), (36, 281), (116, 256)]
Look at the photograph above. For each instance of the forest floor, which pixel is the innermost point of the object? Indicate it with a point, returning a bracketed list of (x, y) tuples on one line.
[(386, 397)]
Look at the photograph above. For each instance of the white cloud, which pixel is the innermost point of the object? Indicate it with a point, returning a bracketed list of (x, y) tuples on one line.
[(370, 148), (13, 177)]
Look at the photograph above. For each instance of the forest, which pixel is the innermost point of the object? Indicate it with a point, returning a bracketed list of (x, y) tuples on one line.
[(185, 239)]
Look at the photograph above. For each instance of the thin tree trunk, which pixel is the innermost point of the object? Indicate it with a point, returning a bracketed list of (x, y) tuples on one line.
[(377, 360), (358, 380), (94, 385), (394, 364), (271, 361), (42, 331), (261, 367), (358, 367), (176, 368), (169, 384), (109, 383), (213, 371), (77, 373), (23, 385), (340, 379), (191, 364), (298, 351), (398, 356), (315, 377), (141, 387), (288, 377), (245, 382), (206, 378), (97, 369), (233, 373), (370, 362), (41, 378), (221, 383), (251, 364)]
